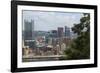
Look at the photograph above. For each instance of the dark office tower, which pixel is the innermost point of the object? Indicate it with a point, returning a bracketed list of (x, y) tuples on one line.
[(67, 32), (33, 33), (60, 32), (28, 29), (54, 33)]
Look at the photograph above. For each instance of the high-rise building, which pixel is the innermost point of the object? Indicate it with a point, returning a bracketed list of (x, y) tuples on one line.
[(28, 30), (67, 32), (60, 32), (54, 33)]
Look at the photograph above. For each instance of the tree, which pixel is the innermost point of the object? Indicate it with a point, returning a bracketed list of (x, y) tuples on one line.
[(80, 47)]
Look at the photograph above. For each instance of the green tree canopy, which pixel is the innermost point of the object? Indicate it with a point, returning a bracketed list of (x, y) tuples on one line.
[(80, 47)]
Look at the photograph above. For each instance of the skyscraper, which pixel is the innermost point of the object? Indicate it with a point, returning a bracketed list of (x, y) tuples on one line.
[(67, 32), (54, 33), (28, 29), (60, 32)]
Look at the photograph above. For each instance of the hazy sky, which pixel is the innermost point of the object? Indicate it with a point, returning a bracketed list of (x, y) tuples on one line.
[(44, 20)]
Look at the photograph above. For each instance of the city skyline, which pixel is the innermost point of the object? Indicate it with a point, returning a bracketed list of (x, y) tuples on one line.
[(46, 21), (30, 33), (46, 35)]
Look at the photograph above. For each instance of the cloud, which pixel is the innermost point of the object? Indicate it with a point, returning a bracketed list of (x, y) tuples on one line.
[(51, 20)]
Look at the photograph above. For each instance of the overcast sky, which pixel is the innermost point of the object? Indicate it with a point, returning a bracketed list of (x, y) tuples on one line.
[(45, 21)]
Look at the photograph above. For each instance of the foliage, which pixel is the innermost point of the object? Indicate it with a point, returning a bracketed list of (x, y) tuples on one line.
[(80, 47)]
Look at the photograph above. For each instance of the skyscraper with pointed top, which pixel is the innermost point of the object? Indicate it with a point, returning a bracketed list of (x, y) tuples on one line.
[(28, 29)]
